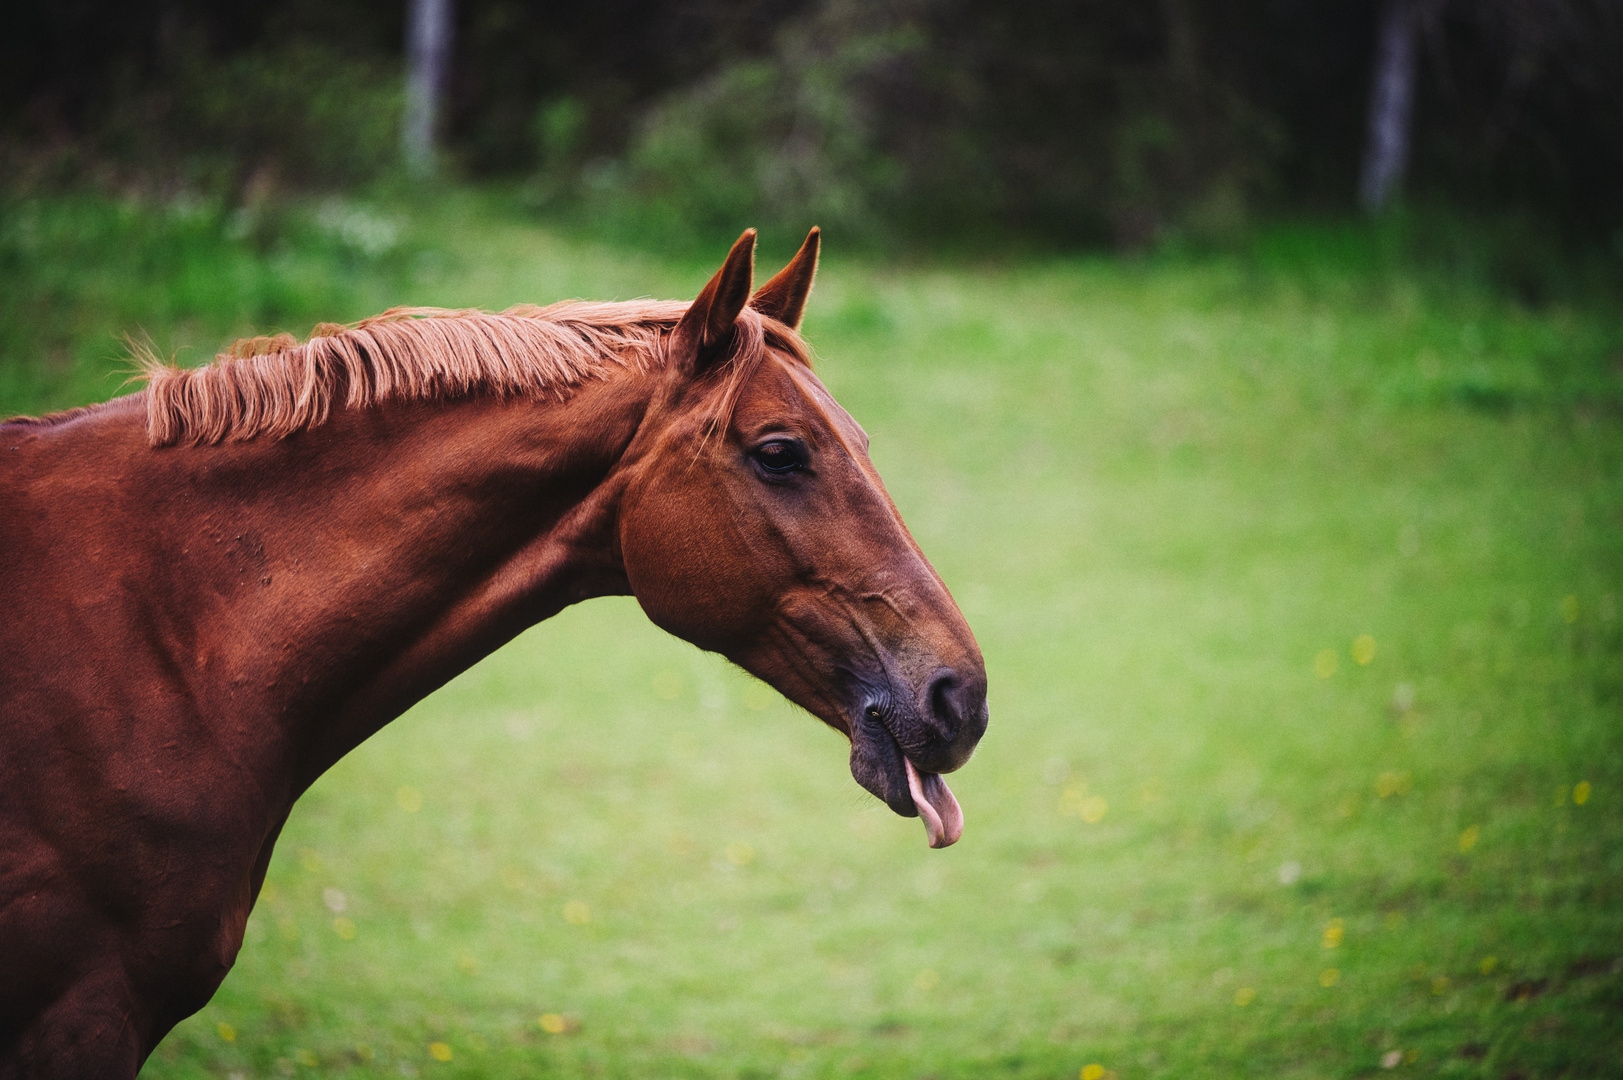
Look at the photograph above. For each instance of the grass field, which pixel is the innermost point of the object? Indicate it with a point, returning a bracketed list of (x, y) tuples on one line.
[(1299, 593)]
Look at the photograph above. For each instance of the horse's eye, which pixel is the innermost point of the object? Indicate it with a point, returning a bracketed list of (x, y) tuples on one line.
[(780, 457)]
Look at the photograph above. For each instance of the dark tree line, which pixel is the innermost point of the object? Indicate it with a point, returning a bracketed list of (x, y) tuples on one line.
[(1108, 120)]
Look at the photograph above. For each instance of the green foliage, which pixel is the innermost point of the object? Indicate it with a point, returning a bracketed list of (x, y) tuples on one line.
[(781, 142), (1172, 495), (895, 122), (1106, 124), (299, 114), (308, 114)]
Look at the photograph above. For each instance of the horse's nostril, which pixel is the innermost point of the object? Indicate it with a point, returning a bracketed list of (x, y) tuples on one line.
[(958, 710), (942, 705)]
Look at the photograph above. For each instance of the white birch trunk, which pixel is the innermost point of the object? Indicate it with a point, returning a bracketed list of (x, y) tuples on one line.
[(1391, 105), (428, 51)]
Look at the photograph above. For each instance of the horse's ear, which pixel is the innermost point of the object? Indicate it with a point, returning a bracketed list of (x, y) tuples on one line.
[(784, 297), (704, 331)]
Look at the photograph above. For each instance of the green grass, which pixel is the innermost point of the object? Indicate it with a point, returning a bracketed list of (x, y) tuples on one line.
[(1169, 496)]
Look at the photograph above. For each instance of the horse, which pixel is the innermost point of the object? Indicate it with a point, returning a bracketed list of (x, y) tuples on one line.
[(220, 584)]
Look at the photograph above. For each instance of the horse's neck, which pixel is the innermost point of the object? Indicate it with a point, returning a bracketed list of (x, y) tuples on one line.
[(327, 582)]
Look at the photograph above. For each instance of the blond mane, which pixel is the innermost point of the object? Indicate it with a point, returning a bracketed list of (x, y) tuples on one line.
[(274, 386)]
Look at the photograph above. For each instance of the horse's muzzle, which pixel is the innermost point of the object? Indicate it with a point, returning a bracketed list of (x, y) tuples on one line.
[(902, 742)]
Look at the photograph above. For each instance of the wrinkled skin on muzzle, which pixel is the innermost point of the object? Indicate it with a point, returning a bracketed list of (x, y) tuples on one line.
[(756, 526)]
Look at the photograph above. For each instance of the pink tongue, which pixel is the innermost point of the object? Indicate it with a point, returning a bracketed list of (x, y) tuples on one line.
[(943, 820)]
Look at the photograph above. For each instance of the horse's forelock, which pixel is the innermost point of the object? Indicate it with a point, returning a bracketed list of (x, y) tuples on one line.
[(754, 336)]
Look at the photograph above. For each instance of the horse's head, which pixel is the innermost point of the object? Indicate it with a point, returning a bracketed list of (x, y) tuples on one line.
[(754, 525)]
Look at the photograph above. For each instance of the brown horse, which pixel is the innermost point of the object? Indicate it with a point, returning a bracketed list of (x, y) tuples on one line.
[(217, 587)]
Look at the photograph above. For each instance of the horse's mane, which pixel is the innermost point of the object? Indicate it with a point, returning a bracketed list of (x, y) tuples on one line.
[(275, 386)]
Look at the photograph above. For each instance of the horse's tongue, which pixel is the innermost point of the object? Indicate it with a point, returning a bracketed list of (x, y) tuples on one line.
[(943, 820)]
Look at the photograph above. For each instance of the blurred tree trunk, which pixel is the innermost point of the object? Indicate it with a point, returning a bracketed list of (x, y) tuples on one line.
[(428, 49), (1391, 106)]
